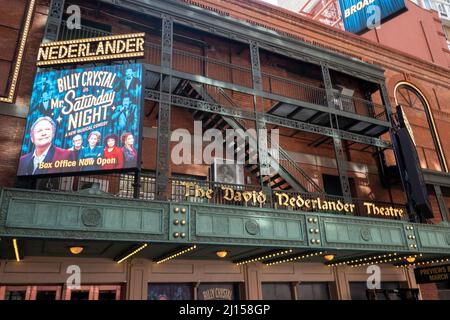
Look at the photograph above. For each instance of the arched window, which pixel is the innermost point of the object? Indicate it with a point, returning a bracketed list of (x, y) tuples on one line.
[(417, 110)]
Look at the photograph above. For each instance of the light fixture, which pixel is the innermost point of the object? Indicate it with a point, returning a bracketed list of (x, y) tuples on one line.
[(329, 257), (132, 253), (222, 253), (16, 250), (76, 250), (411, 259), (265, 257), (176, 255), (310, 255)]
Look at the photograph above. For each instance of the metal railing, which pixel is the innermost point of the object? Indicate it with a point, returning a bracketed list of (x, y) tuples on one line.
[(118, 185), (284, 159), (289, 164), (215, 69), (294, 89), (360, 106), (66, 33), (242, 75)]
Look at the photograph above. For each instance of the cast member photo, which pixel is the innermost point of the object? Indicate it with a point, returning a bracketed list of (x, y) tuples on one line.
[(129, 152), (113, 152), (77, 146), (42, 133), (125, 117), (93, 150), (130, 83)]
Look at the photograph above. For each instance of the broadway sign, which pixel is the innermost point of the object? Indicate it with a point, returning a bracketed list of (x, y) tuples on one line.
[(85, 119)]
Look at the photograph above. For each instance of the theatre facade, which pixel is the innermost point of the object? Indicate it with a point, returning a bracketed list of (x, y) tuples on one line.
[(95, 206)]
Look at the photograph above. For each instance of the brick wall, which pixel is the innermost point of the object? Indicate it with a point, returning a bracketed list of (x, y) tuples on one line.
[(429, 291)]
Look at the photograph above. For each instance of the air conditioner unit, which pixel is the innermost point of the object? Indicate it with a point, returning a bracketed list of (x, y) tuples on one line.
[(227, 171), (342, 98)]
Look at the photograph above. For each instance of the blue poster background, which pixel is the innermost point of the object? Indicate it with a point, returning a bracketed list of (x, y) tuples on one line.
[(78, 107), (358, 21)]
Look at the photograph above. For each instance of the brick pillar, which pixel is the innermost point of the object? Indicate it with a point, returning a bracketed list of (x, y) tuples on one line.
[(341, 285), (252, 275), (429, 291), (137, 280)]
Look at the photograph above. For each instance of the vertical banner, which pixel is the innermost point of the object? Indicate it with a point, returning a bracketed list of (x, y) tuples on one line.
[(85, 119), (357, 13)]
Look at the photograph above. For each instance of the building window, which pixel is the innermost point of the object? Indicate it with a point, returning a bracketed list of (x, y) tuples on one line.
[(277, 291), (15, 295), (413, 102), (97, 292), (169, 291), (358, 291), (313, 291)]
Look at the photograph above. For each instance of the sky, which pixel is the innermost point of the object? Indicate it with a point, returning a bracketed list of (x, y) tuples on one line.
[(271, 1)]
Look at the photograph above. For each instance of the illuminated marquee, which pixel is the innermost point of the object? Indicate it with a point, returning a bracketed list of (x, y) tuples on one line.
[(84, 119), (92, 49)]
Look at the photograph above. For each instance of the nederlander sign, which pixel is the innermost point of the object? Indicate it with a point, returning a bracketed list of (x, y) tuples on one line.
[(288, 201), (91, 49)]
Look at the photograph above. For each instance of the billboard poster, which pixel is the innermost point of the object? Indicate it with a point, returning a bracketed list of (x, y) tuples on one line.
[(356, 14), (82, 120)]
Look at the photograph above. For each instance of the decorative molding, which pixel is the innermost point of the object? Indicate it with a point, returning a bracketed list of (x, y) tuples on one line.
[(30, 213), (252, 227), (91, 217)]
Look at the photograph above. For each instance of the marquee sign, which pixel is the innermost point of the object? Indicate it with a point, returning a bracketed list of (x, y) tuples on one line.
[(85, 119), (357, 14), (124, 46), (284, 200), (432, 274)]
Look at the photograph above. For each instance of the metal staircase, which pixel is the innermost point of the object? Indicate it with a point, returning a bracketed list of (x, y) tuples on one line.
[(285, 174)]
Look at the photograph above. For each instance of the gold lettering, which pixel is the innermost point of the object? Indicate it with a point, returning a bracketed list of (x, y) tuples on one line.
[(43, 53), (247, 196), (62, 52), (368, 207), (110, 47), (72, 51), (199, 192), (82, 50), (299, 202), (262, 198), (121, 46), (282, 199), (229, 194), (140, 45), (307, 203), (53, 53), (100, 49)]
